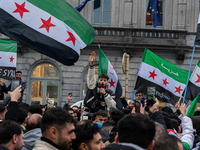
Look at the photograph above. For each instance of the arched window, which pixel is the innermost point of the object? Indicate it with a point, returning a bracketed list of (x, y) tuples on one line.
[(45, 79), (85, 88)]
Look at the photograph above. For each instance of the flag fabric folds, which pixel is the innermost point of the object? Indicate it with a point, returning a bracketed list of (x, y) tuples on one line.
[(51, 27), (154, 10), (193, 106), (168, 79), (194, 83), (82, 5), (8, 59), (105, 67)]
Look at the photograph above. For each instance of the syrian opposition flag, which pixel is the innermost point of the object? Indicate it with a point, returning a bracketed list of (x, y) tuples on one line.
[(194, 83), (168, 79), (51, 27), (105, 67), (8, 59)]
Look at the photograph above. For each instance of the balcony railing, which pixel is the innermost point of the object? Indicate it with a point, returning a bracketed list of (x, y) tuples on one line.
[(146, 33)]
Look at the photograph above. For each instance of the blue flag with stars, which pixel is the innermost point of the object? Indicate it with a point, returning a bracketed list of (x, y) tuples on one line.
[(82, 5), (154, 10)]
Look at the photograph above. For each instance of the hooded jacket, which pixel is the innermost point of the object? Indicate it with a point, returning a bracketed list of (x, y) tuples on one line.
[(30, 137)]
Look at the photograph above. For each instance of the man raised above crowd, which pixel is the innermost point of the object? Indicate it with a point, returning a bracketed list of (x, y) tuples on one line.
[(98, 96)]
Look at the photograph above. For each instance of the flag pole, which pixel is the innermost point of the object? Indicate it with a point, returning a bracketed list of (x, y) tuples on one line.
[(188, 74)]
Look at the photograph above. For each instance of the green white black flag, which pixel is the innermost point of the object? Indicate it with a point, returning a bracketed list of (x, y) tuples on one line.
[(8, 59), (169, 80)]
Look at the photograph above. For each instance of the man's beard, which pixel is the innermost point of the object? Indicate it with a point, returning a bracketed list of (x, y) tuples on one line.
[(102, 85), (64, 145)]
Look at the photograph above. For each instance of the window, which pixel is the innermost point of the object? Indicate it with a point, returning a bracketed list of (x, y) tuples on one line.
[(102, 16), (85, 88), (45, 79), (149, 23)]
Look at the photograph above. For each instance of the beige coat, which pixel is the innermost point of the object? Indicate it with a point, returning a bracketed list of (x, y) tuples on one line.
[(42, 145)]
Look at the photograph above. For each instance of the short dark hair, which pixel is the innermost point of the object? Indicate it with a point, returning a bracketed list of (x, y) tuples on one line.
[(197, 113), (116, 114), (166, 142), (134, 127), (84, 134), (34, 125), (74, 106), (167, 110), (35, 109), (104, 76), (24, 106), (18, 72), (68, 108), (22, 114), (138, 92), (2, 109), (57, 117), (102, 113), (7, 130)]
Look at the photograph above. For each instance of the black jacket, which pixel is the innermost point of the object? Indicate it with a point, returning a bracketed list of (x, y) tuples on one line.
[(3, 89), (93, 101)]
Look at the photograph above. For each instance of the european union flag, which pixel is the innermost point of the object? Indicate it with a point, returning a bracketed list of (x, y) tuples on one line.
[(154, 10), (82, 5)]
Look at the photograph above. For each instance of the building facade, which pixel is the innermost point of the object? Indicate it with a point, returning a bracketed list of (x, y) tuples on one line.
[(120, 26)]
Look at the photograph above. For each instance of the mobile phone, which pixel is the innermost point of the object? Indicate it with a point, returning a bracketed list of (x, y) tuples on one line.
[(14, 84), (85, 117), (50, 102), (70, 94), (80, 105), (137, 106), (151, 92)]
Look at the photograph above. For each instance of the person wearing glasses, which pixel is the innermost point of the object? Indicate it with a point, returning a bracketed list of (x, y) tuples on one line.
[(138, 97)]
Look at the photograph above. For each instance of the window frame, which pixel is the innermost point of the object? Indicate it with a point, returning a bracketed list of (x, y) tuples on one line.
[(163, 16), (45, 80), (101, 24)]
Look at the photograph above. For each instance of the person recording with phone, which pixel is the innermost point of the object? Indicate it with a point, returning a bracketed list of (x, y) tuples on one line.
[(16, 82), (98, 96), (139, 99), (3, 89), (69, 98)]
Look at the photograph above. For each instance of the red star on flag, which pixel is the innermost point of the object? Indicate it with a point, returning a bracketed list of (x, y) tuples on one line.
[(20, 9), (178, 89), (71, 38), (11, 59), (165, 82), (112, 83), (152, 74), (198, 80), (47, 24)]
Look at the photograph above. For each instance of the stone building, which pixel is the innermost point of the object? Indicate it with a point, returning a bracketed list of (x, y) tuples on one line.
[(120, 26)]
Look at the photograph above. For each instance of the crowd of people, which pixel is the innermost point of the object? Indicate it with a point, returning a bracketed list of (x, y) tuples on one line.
[(99, 124)]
